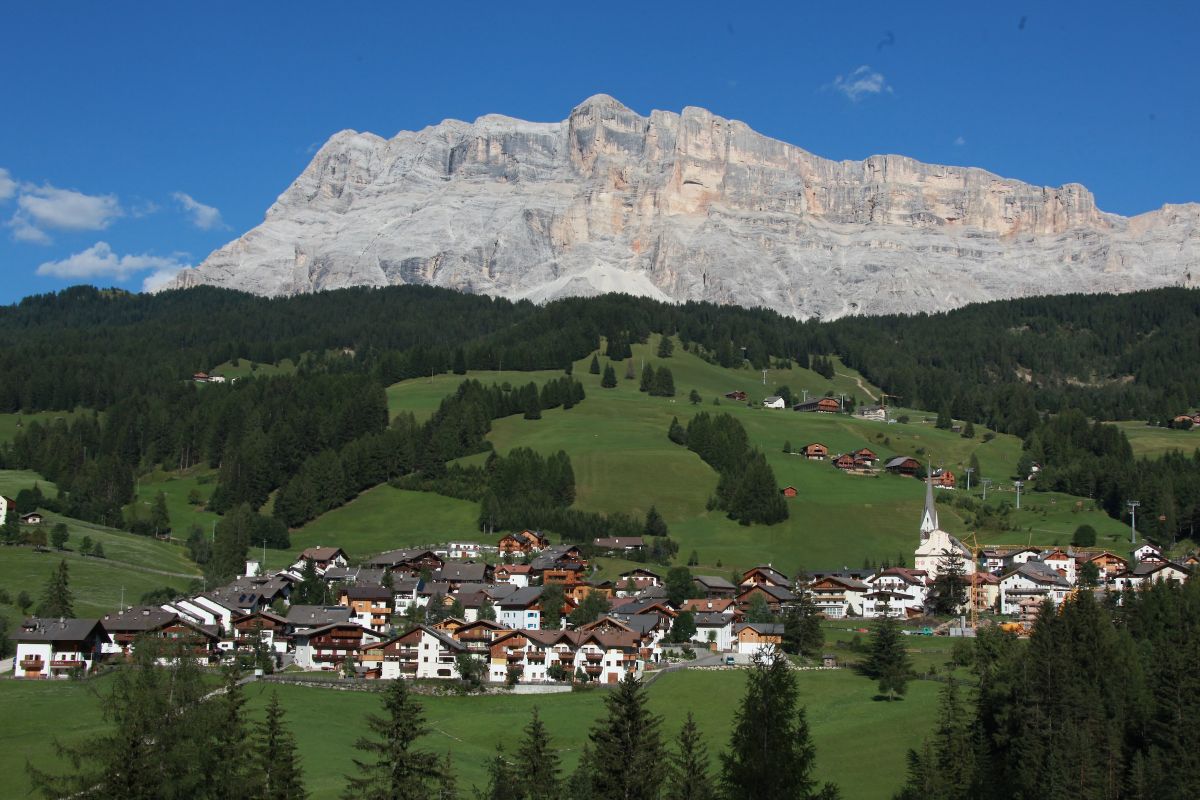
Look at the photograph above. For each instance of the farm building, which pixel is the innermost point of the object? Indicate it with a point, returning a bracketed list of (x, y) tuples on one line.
[(822, 405), (815, 451), (903, 465)]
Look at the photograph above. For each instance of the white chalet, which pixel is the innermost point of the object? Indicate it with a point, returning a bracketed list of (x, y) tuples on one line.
[(774, 401), (55, 648), (1033, 580)]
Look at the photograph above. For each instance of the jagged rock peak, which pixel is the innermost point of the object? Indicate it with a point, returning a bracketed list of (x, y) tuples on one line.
[(685, 206)]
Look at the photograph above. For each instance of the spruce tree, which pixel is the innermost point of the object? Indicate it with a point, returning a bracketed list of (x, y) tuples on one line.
[(694, 397), (627, 751), (664, 383), (949, 590), (538, 762), (687, 766), (771, 753), (594, 367), (57, 600), (397, 770), (968, 431), (551, 603), (609, 381), (888, 662), (59, 535), (676, 432), (533, 408), (160, 518), (230, 742), (655, 524), (665, 346), (504, 781), (945, 767), (446, 780), (802, 631), (647, 381), (460, 362)]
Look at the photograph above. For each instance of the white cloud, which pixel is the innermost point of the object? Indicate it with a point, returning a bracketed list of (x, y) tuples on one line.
[(160, 278), (8, 187), (959, 142), (144, 208), (24, 232), (203, 217), (860, 82), (100, 261), (66, 209)]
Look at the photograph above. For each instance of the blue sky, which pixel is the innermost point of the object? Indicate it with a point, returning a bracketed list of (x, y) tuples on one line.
[(136, 138)]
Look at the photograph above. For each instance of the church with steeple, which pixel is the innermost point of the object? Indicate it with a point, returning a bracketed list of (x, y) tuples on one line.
[(935, 542)]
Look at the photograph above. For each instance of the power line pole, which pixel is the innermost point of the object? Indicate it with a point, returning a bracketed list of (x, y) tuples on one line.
[(1133, 507), (969, 470), (986, 483), (1018, 485), (764, 377)]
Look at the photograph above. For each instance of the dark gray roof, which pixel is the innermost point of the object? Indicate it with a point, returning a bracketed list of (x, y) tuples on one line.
[(640, 623), (138, 618), (711, 619), (714, 582), (317, 616), (35, 629), (475, 573), (765, 628), (525, 596)]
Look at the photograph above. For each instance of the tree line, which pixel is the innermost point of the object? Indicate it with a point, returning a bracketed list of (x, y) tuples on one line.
[(1098, 704), (747, 489)]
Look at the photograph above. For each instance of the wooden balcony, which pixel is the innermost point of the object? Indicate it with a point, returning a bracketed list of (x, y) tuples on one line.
[(408, 666), (594, 669), (595, 658), (536, 656), (516, 656), (67, 663), (33, 664)]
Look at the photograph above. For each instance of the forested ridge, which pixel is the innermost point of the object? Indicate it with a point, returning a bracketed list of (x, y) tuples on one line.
[(321, 435), (1133, 356)]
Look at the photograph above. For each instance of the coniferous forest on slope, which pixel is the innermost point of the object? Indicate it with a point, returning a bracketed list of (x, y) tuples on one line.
[(1040, 368)]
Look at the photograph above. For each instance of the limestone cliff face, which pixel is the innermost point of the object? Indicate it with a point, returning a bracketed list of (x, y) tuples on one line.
[(685, 206)]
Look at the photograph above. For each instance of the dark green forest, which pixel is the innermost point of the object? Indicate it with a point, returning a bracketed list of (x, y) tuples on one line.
[(321, 435)]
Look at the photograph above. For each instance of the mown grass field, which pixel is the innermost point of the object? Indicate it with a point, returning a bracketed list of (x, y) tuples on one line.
[(132, 564), (176, 487), (851, 730), (1153, 441), (624, 462), (245, 368), (11, 423)]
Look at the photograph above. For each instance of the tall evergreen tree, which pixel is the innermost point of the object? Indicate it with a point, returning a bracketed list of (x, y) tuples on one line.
[(397, 770), (655, 524), (949, 590), (230, 742), (888, 662), (647, 381), (665, 346), (594, 367), (771, 753), (687, 766), (504, 780), (627, 751), (538, 762), (664, 383), (609, 381), (57, 599), (802, 631), (160, 517), (945, 767)]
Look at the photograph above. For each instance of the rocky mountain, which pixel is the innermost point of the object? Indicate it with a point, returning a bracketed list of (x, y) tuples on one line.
[(685, 206)]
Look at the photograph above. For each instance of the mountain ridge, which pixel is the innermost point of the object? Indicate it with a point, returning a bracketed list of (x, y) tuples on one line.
[(685, 206)]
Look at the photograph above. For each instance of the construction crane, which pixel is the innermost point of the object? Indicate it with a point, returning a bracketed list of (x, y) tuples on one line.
[(975, 589)]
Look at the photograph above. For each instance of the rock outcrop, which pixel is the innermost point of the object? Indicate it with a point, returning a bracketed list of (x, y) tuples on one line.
[(685, 206)]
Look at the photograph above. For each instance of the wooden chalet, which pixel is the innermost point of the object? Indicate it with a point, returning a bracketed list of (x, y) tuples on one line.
[(776, 597), (619, 544), (789, 491), (820, 405), (407, 563), (764, 575), (815, 451), (903, 465), (943, 479), (844, 461), (327, 646), (738, 396), (260, 627), (523, 542), (864, 456), (126, 627)]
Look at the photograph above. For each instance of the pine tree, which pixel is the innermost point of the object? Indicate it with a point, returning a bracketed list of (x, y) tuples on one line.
[(655, 524), (627, 752), (676, 433), (665, 346), (98, 550), (679, 585), (949, 590), (968, 431), (311, 589), (647, 381), (594, 367), (609, 381), (664, 383), (160, 518), (551, 602), (802, 631), (683, 628), (59, 535), (446, 780), (397, 771), (771, 753), (538, 762), (533, 409), (944, 420), (687, 766), (460, 362), (945, 767), (230, 743), (888, 661), (694, 397), (57, 600)]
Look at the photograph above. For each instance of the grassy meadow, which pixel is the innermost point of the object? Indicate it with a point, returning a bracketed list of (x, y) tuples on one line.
[(624, 461), (132, 564), (1154, 441), (11, 423), (849, 727)]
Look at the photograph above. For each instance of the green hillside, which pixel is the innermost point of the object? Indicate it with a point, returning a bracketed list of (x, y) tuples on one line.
[(848, 727), (132, 564), (1150, 441), (623, 461)]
